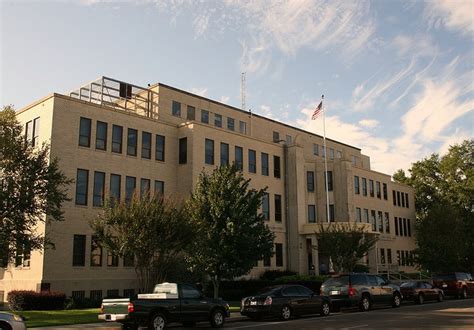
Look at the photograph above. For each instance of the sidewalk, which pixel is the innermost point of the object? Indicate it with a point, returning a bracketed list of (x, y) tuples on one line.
[(234, 317)]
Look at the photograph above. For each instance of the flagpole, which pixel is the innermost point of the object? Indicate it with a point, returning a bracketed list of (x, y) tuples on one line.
[(325, 162)]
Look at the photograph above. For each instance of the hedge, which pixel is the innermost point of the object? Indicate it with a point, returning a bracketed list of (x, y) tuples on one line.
[(30, 300)]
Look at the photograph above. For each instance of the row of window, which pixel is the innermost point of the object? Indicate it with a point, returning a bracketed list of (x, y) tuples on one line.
[(266, 207), (332, 153), (85, 131), (115, 187), (32, 131), (310, 181), (404, 258), (209, 155), (402, 227), (96, 295), (400, 199), (22, 256), (382, 259), (96, 254), (372, 193), (380, 220), (267, 262), (313, 215), (205, 117)]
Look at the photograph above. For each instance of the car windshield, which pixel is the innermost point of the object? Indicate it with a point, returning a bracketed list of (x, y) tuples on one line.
[(269, 291), (408, 285), (445, 277), (337, 281)]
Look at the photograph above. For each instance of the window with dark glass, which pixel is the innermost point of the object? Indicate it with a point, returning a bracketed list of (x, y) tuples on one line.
[(279, 254), (79, 250), (242, 127), (385, 193), (394, 197), (400, 227), (252, 161), (112, 259), (96, 295), (315, 149), (130, 185), (209, 151), (239, 158), (331, 213), (398, 199), (371, 188), (377, 186), (266, 206), (373, 220), (159, 187), (205, 116), (183, 150), (364, 186), (176, 109), (85, 132), (396, 225), (276, 136), (82, 186), (387, 222), (146, 145), (330, 184), (356, 185), (389, 256), (311, 213), (366, 216), (191, 114), (276, 167), (160, 148), (358, 214), (409, 227), (132, 142), (99, 189), (380, 221), (230, 123), (96, 252), (29, 132), (217, 120), (264, 164), (310, 181), (117, 133), (406, 200), (331, 153), (101, 136), (382, 256), (277, 208), (36, 127), (224, 154), (144, 187)]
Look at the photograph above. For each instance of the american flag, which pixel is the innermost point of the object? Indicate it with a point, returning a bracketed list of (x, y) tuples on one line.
[(318, 110)]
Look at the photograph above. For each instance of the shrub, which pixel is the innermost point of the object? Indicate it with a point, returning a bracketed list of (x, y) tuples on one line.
[(272, 275), (30, 300)]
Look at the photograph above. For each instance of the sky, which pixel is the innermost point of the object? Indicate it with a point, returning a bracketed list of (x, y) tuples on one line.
[(397, 76)]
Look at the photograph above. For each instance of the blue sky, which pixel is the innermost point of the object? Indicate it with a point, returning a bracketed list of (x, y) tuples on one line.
[(397, 76)]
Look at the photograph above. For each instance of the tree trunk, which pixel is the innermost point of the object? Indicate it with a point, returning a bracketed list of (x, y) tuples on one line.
[(215, 283)]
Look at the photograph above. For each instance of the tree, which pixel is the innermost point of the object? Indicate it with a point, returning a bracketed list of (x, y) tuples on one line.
[(151, 229), (344, 243), (231, 234), (32, 190), (444, 202)]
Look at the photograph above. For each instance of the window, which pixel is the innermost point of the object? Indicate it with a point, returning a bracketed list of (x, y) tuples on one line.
[(230, 123), (160, 148), (101, 136), (176, 109), (144, 187), (331, 213), (115, 187), (311, 213), (389, 256), (276, 136), (132, 142), (96, 252), (159, 187), (387, 223), (266, 206), (128, 293), (356, 185), (23, 254), (36, 127), (366, 216), (224, 154), (354, 160), (189, 292), (396, 226), (84, 132), (252, 161), (29, 133), (117, 132), (315, 150), (267, 261), (191, 113), (331, 153), (338, 154), (277, 208), (128, 260), (289, 139), (183, 150), (276, 167), (398, 198), (82, 186), (96, 295), (209, 152), (409, 227), (380, 221), (330, 185), (78, 295), (364, 186), (400, 227), (403, 200), (310, 180), (394, 197), (99, 189), (377, 186), (264, 164), (239, 158), (217, 120), (113, 293), (130, 185), (205, 116), (406, 200), (385, 194), (79, 250), (279, 254), (112, 260), (242, 127), (373, 220), (382, 256), (146, 145), (371, 188), (358, 214)]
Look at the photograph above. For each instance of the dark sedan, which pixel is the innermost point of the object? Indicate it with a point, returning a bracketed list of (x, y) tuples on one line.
[(420, 292), (285, 301)]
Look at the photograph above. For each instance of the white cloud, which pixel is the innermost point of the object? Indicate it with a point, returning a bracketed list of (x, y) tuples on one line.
[(199, 91), (369, 123), (224, 99), (455, 15), (414, 46)]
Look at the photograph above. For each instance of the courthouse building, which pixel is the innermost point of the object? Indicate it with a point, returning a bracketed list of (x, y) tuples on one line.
[(113, 138)]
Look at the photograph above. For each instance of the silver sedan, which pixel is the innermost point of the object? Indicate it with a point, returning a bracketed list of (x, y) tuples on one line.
[(10, 321)]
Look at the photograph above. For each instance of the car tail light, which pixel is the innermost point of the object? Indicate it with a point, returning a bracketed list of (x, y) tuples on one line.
[(459, 285), (268, 301), (102, 308), (351, 291), (131, 309)]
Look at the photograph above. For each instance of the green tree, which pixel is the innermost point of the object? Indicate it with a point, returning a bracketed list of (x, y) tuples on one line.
[(444, 202), (231, 233), (344, 243), (151, 229), (32, 189)]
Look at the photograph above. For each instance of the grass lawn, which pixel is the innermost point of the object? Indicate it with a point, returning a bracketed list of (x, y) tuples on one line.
[(61, 317)]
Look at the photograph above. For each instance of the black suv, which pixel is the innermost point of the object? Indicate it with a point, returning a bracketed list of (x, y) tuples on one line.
[(361, 290)]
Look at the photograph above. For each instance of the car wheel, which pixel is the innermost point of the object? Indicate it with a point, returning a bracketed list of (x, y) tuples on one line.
[(440, 297), (397, 300), (325, 309), (364, 304), (463, 293), (157, 322), (285, 313), (5, 326), (421, 299), (217, 319)]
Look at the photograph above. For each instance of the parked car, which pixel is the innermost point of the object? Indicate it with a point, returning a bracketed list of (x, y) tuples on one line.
[(169, 302), (460, 285), (361, 290), (11, 321), (285, 301), (421, 291)]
